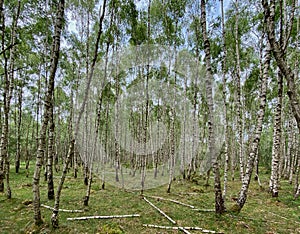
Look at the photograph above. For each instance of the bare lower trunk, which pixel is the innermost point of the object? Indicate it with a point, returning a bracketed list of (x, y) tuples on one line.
[(54, 217), (238, 91), (172, 152), (224, 80), (88, 190), (219, 202), (258, 129), (297, 184), (18, 153), (47, 108), (276, 150), (293, 159), (7, 95), (50, 158), (289, 154)]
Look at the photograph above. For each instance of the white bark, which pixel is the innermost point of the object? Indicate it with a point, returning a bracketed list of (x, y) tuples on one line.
[(62, 210), (276, 149), (258, 129), (238, 86), (104, 217), (171, 200), (160, 211), (180, 228)]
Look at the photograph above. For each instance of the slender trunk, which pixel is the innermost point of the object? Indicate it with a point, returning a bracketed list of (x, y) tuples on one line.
[(19, 121), (256, 178), (27, 157), (238, 91), (172, 123), (99, 106), (51, 152), (219, 202), (7, 95), (297, 184), (258, 129), (47, 108), (85, 153), (54, 217), (276, 150), (224, 80), (279, 54), (289, 154), (293, 158)]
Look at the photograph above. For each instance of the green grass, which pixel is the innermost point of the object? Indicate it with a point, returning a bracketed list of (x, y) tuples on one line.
[(261, 214)]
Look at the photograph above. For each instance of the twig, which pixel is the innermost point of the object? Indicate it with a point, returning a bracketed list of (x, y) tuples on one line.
[(8, 48), (160, 211), (63, 210), (104, 217), (179, 228), (171, 200)]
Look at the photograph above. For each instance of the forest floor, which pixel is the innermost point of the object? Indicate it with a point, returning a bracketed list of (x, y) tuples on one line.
[(261, 213)]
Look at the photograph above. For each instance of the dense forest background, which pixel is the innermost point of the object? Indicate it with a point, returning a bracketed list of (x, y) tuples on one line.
[(224, 94)]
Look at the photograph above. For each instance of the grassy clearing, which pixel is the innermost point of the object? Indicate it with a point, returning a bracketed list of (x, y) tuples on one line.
[(261, 214)]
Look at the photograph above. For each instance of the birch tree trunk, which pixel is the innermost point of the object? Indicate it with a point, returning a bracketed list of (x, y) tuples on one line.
[(47, 109), (7, 95), (238, 87), (279, 54), (51, 152), (297, 184), (19, 121), (293, 158), (258, 129), (54, 217), (226, 166), (276, 148), (219, 202)]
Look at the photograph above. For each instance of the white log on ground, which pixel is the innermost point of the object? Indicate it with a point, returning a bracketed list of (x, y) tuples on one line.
[(160, 211), (104, 217), (184, 230), (204, 210), (63, 210), (171, 200), (179, 228)]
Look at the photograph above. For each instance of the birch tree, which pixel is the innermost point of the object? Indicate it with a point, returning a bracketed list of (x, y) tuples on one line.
[(224, 81), (55, 50), (280, 54), (219, 202), (54, 217), (9, 65), (238, 92), (258, 129)]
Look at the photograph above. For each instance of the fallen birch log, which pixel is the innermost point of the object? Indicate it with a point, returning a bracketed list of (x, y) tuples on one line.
[(63, 210), (104, 217), (165, 215), (160, 211), (204, 210), (184, 230), (171, 200), (179, 228)]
